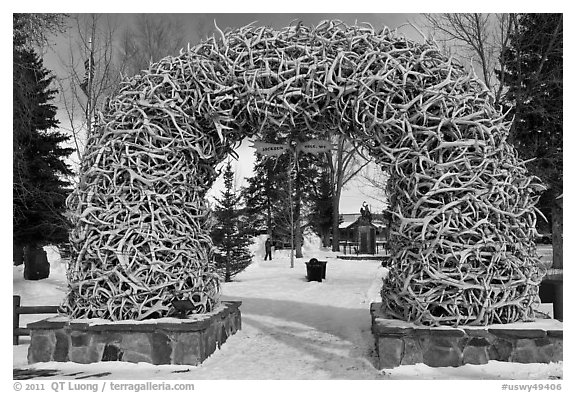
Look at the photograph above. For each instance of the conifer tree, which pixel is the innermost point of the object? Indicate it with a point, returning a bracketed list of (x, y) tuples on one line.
[(321, 208), (533, 74), (230, 233), (268, 195), (40, 186)]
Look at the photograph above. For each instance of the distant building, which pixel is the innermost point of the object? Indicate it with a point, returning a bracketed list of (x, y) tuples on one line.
[(351, 236), (349, 221)]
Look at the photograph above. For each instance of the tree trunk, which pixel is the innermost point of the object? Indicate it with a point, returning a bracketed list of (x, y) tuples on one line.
[(269, 219), (227, 274), (335, 220), (17, 254), (338, 183), (269, 228), (298, 237), (297, 218), (325, 237), (557, 255), (557, 235)]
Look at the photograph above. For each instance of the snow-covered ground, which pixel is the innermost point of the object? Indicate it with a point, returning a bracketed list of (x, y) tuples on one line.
[(291, 329)]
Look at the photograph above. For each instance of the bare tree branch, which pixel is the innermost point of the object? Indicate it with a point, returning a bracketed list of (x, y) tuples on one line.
[(480, 37), (152, 38), (101, 29)]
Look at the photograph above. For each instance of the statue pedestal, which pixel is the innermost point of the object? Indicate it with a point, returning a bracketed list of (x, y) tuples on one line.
[(366, 238)]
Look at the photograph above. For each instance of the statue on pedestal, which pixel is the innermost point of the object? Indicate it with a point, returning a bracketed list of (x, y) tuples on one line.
[(365, 212)]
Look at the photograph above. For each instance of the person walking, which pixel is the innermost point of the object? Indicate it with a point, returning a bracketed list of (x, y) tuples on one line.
[(268, 247)]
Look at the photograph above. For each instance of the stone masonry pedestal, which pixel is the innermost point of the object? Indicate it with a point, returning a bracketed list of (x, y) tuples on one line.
[(404, 343), (164, 341)]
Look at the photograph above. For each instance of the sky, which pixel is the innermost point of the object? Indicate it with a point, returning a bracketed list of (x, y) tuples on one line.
[(199, 26)]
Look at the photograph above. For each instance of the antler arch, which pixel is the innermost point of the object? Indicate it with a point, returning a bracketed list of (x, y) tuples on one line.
[(462, 202)]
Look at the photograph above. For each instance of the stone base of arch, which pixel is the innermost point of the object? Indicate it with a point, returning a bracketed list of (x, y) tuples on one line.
[(401, 343), (187, 341)]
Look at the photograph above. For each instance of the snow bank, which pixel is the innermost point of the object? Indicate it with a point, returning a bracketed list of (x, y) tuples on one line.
[(373, 293), (291, 328)]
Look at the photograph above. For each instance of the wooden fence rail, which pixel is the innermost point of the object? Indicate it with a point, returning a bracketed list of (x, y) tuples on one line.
[(18, 310)]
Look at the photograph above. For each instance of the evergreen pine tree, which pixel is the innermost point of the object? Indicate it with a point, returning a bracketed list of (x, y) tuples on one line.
[(267, 195), (230, 233), (533, 74), (40, 187), (321, 208)]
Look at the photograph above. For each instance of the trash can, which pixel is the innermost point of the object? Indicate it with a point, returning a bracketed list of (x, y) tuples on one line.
[(316, 270), (323, 264)]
